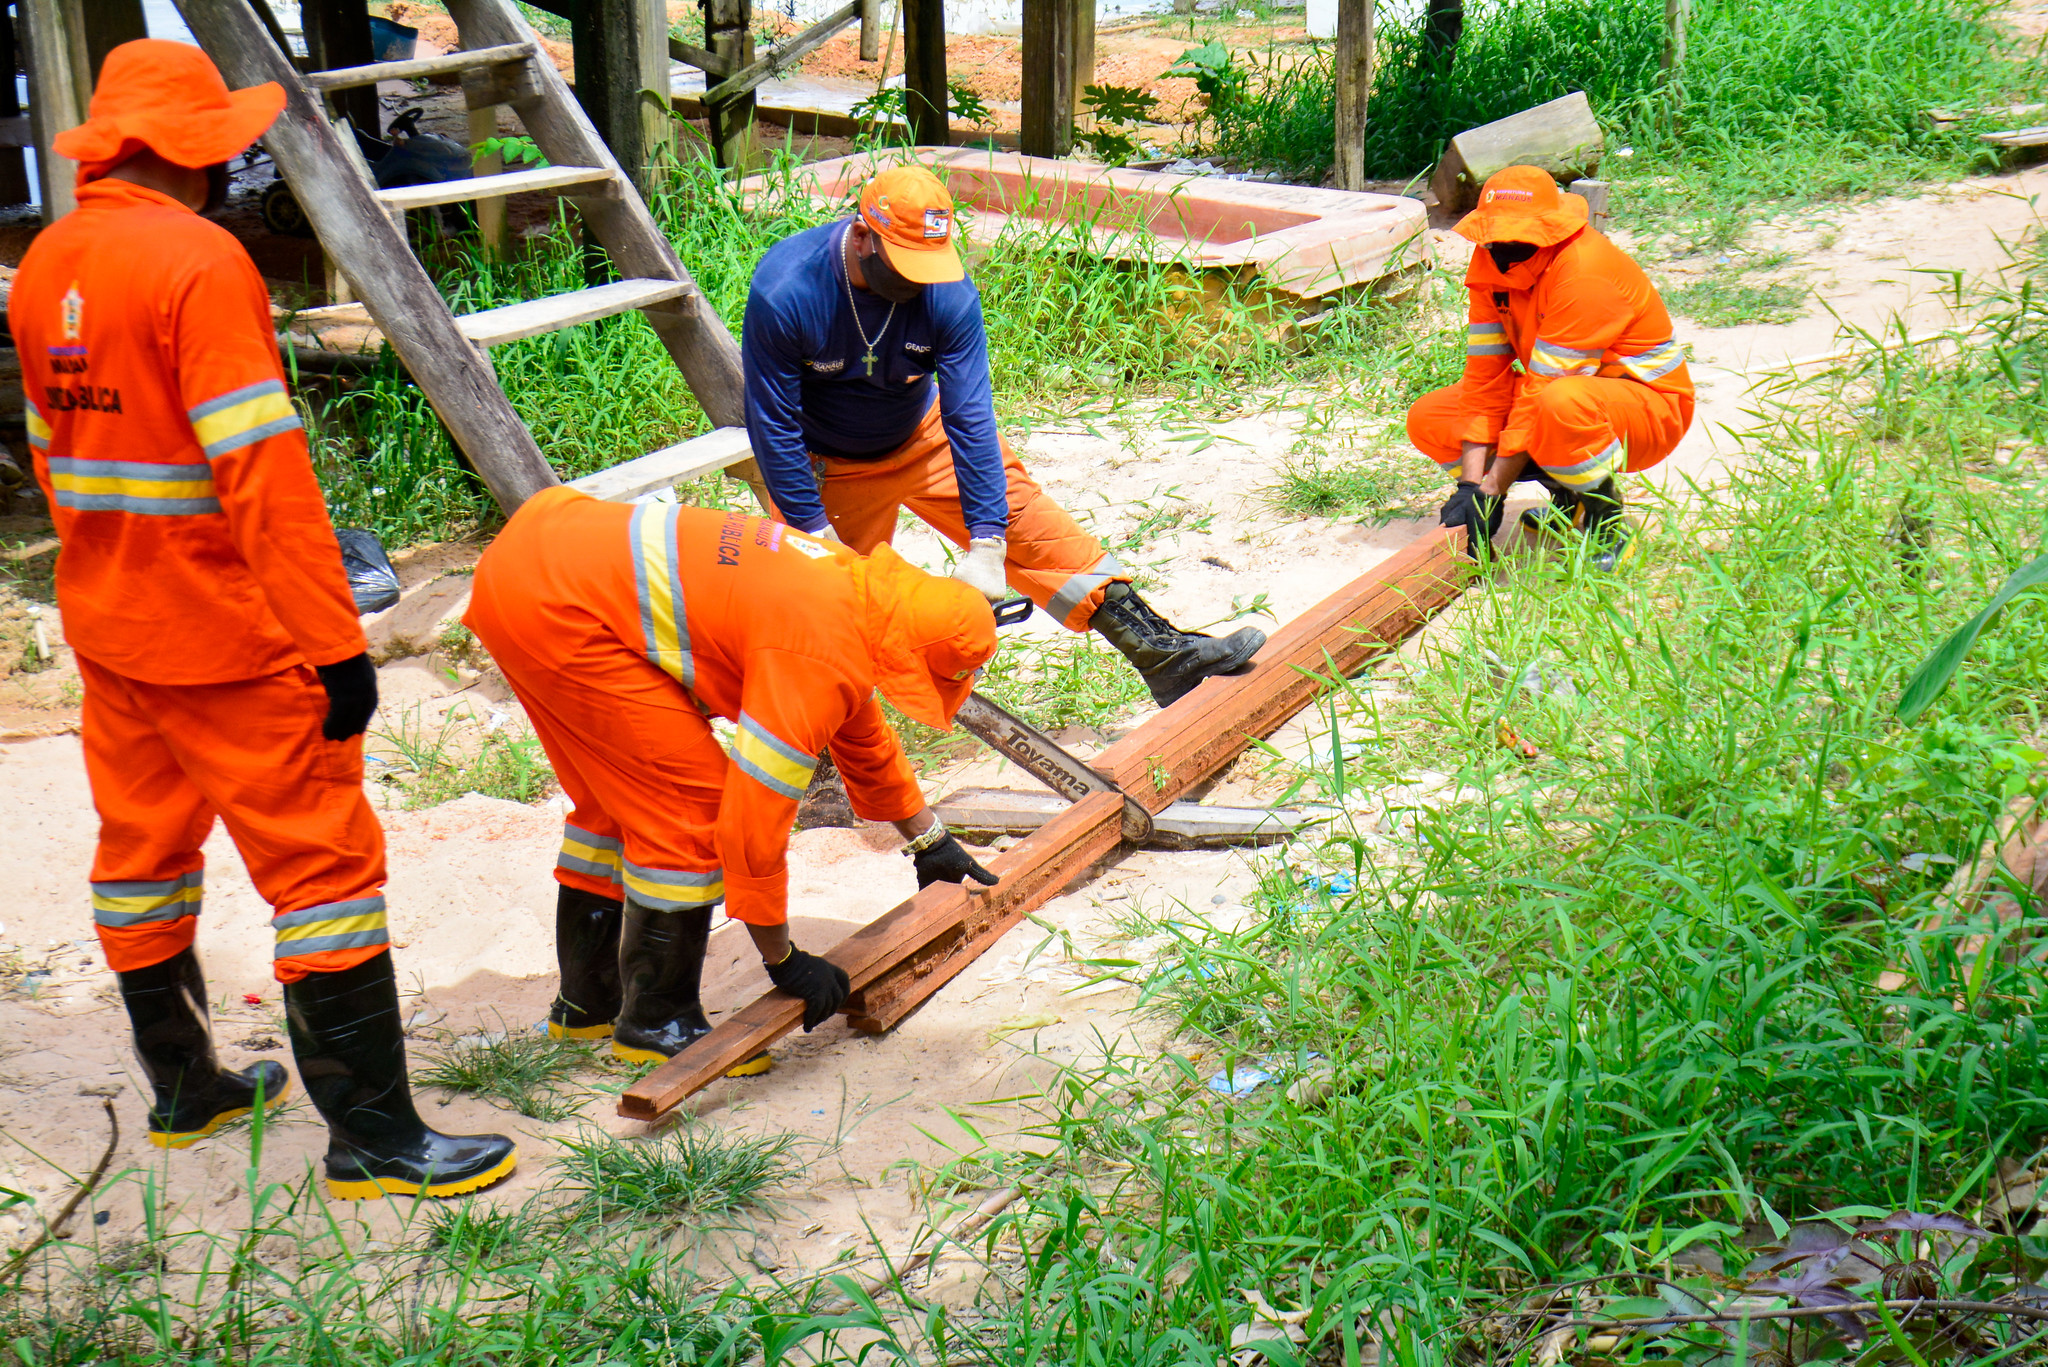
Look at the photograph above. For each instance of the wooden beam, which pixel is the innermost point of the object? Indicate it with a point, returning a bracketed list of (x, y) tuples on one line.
[(108, 24), (705, 60), (55, 45), (13, 165), (927, 108), (414, 68), (338, 35), (1354, 89), (1084, 50), (728, 28), (783, 56), (871, 30), (1047, 119), (717, 449), (621, 51), (902, 957)]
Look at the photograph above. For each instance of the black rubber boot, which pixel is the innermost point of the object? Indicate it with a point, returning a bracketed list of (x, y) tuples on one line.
[(1170, 661), (1609, 539), (194, 1095), (351, 1053), (587, 950), (1561, 516), (661, 965)]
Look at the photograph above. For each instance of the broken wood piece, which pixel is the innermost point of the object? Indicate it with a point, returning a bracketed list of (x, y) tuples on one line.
[(1561, 136), (783, 56), (1594, 192), (2017, 137), (671, 465), (986, 813), (448, 64)]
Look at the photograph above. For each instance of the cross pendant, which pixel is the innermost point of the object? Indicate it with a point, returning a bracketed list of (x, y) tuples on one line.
[(869, 359)]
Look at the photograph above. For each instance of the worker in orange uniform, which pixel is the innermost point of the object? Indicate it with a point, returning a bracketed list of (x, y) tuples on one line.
[(202, 588), (624, 629), (868, 391), (1572, 375)]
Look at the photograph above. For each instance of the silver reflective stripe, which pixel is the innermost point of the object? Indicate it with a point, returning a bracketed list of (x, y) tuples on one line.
[(1492, 349), (234, 397), (1589, 471), (129, 503), (664, 619), (578, 864), (1656, 362), (1551, 359), (116, 905), (354, 924), (131, 469), (1487, 339), (671, 890), (1076, 590)]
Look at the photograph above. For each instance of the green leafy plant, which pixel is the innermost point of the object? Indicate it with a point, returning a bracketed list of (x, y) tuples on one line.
[(515, 151), (691, 1170), (1222, 82), (522, 1070), (1115, 110)]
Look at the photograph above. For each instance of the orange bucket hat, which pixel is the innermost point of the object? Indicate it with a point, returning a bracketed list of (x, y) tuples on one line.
[(927, 636), (1523, 204), (911, 213), (170, 98)]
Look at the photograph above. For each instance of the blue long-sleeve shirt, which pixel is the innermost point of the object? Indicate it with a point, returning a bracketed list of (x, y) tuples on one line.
[(811, 387)]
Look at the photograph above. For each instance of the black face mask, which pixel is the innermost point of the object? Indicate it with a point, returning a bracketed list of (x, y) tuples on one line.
[(216, 188), (1507, 255), (883, 279)]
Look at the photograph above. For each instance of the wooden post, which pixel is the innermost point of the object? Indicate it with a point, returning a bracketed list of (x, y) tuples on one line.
[(651, 94), (1049, 96), (338, 35), (1676, 13), (607, 35), (1444, 24), (56, 100), (924, 73), (491, 228), (1354, 89), (871, 30), (108, 24), (1084, 50), (729, 32), (13, 164)]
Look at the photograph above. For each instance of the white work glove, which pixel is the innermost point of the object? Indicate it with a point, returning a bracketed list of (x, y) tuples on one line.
[(981, 569), (827, 533)]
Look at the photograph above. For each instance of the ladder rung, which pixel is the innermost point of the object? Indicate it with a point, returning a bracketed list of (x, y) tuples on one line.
[(450, 64), (670, 466), (535, 316), (491, 187)]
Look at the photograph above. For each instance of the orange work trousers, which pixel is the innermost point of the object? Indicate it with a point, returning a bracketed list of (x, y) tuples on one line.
[(1051, 560), (1586, 428), (641, 766), (165, 759)]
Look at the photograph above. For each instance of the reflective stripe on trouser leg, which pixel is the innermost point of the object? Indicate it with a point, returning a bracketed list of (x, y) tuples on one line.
[(1076, 590), (1592, 471), (356, 924), (120, 905), (593, 856), (672, 890)]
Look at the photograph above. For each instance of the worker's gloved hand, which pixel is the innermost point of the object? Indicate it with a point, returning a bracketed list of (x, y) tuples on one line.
[(351, 696), (1458, 508), (821, 983), (828, 532), (948, 861), (981, 569)]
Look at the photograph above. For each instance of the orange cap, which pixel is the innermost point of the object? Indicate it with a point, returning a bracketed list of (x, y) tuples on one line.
[(170, 98), (1523, 204), (911, 215), (928, 636)]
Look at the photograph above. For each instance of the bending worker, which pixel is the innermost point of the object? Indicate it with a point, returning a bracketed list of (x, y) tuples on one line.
[(1572, 375), (624, 629), (202, 587), (850, 328)]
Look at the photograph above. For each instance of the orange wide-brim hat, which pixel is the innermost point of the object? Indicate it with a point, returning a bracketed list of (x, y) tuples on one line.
[(170, 98), (1523, 204), (928, 637), (911, 215)]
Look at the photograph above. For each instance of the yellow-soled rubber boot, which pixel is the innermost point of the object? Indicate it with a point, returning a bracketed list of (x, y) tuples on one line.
[(753, 1067), (587, 951), (661, 962), (193, 1095), (351, 1053)]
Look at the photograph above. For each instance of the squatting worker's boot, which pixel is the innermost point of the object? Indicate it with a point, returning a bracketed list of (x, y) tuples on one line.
[(194, 1095), (1170, 661), (661, 964), (1561, 516), (351, 1053), (587, 949), (1610, 540)]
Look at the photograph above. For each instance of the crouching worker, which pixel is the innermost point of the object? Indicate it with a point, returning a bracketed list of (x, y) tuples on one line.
[(868, 392), (225, 672), (1572, 375), (624, 630)]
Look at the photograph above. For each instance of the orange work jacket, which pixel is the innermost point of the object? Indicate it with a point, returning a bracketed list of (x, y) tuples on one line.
[(196, 545), (755, 622), (1579, 307)]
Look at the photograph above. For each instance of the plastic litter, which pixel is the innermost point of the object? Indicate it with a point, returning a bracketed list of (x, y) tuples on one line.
[(371, 580)]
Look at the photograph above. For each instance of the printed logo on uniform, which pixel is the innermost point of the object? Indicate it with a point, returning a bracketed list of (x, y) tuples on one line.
[(880, 211), (1509, 194), (827, 367), (937, 223), (919, 347), (813, 549), (72, 310)]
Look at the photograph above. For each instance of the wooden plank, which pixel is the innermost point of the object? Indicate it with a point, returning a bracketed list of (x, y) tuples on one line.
[(925, 102), (1033, 872), (56, 99), (1353, 70), (783, 56), (418, 68), (696, 337), (902, 957), (493, 228), (670, 466), (705, 60), (108, 24), (532, 317), (1047, 117), (497, 186), (2017, 137), (351, 223), (338, 37)]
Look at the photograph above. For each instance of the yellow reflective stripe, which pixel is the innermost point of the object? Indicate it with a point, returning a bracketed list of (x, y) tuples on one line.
[(133, 488), (38, 430), (340, 925), (593, 853), (778, 765), (218, 431), (673, 892), (662, 615)]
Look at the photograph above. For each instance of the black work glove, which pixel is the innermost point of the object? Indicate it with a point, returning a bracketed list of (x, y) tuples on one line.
[(821, 983), (948, 861), (351, 696), (1458, 508)]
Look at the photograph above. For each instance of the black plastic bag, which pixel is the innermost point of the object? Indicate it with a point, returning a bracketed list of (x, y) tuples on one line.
[(370, 576)]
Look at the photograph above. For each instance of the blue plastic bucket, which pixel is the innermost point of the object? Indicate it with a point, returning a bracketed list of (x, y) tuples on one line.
[(390, 41)]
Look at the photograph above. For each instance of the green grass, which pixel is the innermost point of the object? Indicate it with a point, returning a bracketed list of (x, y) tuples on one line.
[(524, 1071), (1316, 485), (690, 1171), (1071, 680), (1726, 301), (459, 757)]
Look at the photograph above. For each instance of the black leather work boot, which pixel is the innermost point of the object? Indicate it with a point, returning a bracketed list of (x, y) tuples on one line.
[(1170, 661), (587, 950), (351, 1053), (661, 965), (194, 1096)]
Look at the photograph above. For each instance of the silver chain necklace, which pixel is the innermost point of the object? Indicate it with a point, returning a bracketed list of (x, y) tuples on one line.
[(846, 255)]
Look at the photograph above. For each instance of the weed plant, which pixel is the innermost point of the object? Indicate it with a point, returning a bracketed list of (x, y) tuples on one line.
[(691, 1171), (1724, 301), (522, 1070), (454, 759)]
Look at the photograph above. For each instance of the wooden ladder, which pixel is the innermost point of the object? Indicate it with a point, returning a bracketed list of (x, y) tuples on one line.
[(363, 229)]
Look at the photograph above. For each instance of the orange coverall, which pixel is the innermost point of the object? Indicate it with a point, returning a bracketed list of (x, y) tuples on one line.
[(1602, 385), (625, 628), (199, 582)]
